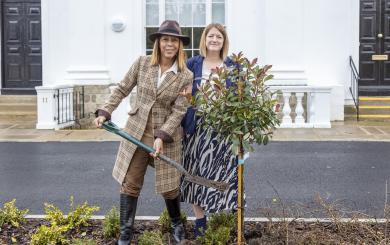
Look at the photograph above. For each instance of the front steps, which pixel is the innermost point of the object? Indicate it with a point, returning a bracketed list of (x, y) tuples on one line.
[(18, 111), (372, 108)]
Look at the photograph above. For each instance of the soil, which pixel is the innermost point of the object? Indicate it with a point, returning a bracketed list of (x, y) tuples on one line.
[(255, 233)]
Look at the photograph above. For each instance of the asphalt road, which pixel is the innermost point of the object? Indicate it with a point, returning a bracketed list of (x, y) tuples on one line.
[(281, 174)]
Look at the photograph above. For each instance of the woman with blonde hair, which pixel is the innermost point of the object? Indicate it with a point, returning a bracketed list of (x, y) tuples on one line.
[(204, 152), (154, 120)]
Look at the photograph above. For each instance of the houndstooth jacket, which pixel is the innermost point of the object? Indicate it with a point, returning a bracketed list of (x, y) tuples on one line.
[(166, 108)]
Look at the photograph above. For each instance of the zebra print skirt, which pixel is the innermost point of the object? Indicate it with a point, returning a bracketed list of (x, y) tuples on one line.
[(211, 157)]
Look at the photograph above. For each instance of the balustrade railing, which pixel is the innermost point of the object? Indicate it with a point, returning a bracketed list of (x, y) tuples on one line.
[(303, 106)]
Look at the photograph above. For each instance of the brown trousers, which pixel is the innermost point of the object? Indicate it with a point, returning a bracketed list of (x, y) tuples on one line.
[(134, 178)]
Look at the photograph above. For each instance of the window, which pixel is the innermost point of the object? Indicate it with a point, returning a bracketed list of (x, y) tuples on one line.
[(192, 15)]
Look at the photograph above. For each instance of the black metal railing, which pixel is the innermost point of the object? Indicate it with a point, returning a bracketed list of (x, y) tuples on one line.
[(354, 88), (70, 105)]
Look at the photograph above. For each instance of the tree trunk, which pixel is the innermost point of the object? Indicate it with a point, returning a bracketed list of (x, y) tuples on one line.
[(240, 196)]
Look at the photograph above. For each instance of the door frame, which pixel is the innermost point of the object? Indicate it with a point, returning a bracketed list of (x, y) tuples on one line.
[(376, 89), (2, 64)]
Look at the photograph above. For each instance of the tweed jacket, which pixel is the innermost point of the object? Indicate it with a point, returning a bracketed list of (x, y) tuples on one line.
[(165, 107)]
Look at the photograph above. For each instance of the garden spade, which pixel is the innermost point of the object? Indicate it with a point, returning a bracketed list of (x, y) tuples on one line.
[(221, 186)]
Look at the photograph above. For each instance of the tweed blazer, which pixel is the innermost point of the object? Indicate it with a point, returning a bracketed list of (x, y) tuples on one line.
[(165, 107)]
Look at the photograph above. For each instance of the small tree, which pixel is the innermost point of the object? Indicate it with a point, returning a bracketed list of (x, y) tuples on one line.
[(238, 105)]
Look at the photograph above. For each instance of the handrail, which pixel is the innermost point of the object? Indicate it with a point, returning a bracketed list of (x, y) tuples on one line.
[(70, 105), (354, 88)]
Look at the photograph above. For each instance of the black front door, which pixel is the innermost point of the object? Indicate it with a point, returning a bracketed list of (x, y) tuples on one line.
[(374, 65), (22, 49)]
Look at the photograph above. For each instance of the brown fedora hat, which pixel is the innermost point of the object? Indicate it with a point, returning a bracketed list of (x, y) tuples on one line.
[(170, 28)]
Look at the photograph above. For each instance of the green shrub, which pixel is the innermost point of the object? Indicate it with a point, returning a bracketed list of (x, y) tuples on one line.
[(220, 236), (222, 219), (49, 235), (111, 224), (165, 221), (54, 215), (83, 242), (59, 223), (79, 216), (10, 214), (76, 218), (219, 229), (151, 238)]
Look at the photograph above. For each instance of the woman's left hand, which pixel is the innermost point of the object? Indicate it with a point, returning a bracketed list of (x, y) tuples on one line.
[(158, 146)]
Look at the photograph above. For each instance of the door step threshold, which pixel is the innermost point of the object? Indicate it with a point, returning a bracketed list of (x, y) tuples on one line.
[(375, 116)]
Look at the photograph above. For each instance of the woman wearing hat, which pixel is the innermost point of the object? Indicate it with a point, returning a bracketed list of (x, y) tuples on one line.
[(155, 120)]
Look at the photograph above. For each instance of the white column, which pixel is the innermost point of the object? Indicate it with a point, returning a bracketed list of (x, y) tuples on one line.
[(321, 105), (47, 110)]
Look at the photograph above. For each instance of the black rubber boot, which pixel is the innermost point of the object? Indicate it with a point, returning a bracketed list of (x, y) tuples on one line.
[(128, 207), (173, 207)]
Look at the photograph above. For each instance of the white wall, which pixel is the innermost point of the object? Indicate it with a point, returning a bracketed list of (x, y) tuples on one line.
[(246, 31), (79, 46), (307, 41), (331, 36), (1, 57)]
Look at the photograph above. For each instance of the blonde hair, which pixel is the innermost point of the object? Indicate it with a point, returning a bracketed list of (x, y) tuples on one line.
[(181, 56), (225, 46)]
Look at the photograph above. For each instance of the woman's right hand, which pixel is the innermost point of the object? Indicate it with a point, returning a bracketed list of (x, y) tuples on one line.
[(99, 121)]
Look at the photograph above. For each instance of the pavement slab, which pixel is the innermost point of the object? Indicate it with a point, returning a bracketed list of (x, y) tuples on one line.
[(347, 131)]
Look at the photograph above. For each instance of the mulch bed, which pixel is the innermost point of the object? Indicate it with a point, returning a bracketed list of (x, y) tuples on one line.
[(255, 232)]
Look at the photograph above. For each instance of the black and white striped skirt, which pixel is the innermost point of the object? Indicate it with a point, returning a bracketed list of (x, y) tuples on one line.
[(211, 157)]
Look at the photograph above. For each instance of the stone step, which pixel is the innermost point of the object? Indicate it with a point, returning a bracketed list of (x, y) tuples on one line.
[(374, 117), (374, 101), (18, 125), (22, 107), (23, 116), (16, 99), (349, 109), (374, 110), (350, 117)]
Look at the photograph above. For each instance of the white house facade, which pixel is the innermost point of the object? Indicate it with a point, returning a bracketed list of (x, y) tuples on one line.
[(308, 42)]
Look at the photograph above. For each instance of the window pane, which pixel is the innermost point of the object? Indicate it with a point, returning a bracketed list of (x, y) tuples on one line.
[(152, 14), (149, 44), (148, 52), (218, 13), (196, 52), (187, 31), (185, 13), (199, 14), (189, 53), (152, 1), (171, 12), (197, 34), (218, 1), (171, 1)]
